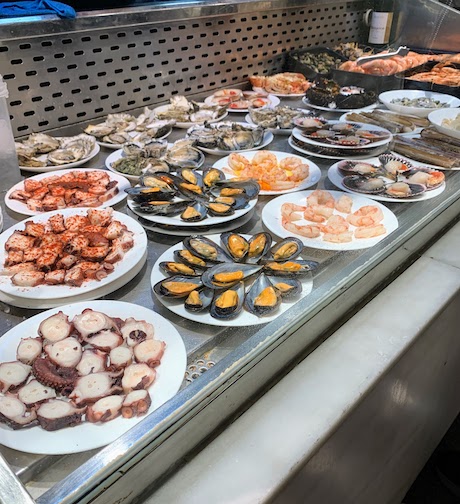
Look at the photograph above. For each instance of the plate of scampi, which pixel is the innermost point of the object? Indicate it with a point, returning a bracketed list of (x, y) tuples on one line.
[(232, 280), (387, 178)]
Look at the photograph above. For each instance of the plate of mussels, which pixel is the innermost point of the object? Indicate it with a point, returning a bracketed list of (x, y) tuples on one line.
[(246, 280), (192, 197), (387, 178), (222, 138)]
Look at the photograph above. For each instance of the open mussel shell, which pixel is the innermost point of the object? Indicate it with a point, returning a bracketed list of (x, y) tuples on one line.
[(189, 190), (218, 209), (199, 299), (288, 288), (250, 188), (348, 167), (186, 257), (224, 275), (365, 185), (262, 298), (166, 208), (404, 190), (236, 245), (159, 179), (191, 176), (141, 194), (259, 246), (236, 202), (178, 286), (295, 268), (205, 248), (173, 268), (194, 212), (287, 249), (228, 303), (211, 176)]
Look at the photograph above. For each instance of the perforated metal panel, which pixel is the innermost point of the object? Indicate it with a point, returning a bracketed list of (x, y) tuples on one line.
[(62, 79)]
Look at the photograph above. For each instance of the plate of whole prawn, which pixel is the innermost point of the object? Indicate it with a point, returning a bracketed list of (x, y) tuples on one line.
[(387, 177), (276, 172), (329, 220), (76, 188)]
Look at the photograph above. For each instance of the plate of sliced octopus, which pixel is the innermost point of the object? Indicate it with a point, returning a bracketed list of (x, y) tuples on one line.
[(84, 187), (69, 252), (329, 220), (77, 378)]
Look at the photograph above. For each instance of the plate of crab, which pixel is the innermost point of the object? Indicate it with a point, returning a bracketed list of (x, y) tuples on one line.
[(232, 279), (329, 220), (275, 172), (387, 178), (74, 378)]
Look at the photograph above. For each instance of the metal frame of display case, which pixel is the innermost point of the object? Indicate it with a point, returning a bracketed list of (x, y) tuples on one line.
[(248, 359)]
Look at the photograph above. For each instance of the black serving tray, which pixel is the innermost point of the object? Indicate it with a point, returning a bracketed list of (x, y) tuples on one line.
[(293, 64)]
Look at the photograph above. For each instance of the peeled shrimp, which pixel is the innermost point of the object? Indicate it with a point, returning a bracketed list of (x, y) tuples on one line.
[(366, 216), (344, 204), (297, 170), (336, 224), (344, 237), (288, 211), (320, 197), (307, 230), (265, 160), (370, 231), (237, 162), (318, 213)]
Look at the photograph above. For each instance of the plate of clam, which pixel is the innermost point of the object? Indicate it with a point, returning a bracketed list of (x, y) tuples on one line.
[(111, 381), (192, 198), (43, 153), (187, 113), (387, 178), (231, 279), (117, 129), (237, 100), (225, 137), (329, 220), (133, 160)]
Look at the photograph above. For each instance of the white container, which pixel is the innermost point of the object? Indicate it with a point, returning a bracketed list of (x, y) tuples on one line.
[(9, 168)]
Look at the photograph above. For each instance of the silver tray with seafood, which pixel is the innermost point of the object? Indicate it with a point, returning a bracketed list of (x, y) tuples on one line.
[(118, 129), (134, 160), (192, 198), (222, 138), (232, 279), (387, 178), (40, 152)]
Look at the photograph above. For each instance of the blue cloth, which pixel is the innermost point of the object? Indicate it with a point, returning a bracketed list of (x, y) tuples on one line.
[(35, 8)]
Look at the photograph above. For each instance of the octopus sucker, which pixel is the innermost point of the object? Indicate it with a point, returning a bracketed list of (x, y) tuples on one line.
[(13, 375), (56, 414), (105, 409), (15, 414), (50, 375), (150, 352), (136, 403)]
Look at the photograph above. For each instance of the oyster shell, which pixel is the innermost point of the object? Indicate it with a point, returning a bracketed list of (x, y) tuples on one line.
[(117, 138), (42, 143), (100, 130)]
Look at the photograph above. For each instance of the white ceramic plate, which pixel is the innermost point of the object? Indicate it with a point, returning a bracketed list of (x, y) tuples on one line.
[(437, 117), (268, 138), (203, 230), (306, 102), (297, 133), (187, 124), (177, 221), (20, 207), (44, 169), (87, 436), (388, 96), (324, 156), (312, 179), (132, 134), (115, 156), (273, 101), (343, 118), (62, 292), (243, 319), (271, 217), (336, 178)]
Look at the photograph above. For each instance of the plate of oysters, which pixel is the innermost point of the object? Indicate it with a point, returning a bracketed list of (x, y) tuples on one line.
[(387, 178), (231, 279), (279, 120), (42, 153), (237, 100)]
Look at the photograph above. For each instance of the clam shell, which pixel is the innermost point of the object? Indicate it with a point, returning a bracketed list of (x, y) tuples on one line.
[(171, 287), (287, 249), (224, 275), (231, 311), (262, 298)]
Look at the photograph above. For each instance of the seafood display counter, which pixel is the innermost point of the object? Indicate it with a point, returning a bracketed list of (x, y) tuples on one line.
[(227, 360)]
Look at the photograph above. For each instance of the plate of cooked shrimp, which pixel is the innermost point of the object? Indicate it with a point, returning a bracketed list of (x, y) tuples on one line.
[(329, 220)]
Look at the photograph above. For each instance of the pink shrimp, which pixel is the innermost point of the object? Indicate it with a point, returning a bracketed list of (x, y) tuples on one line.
[(307, 230), (320, 197), (288, 211), (370, 231), (336, 224), (344, 204), (368, 215), (318, 213), (237, 162), (344, 237)]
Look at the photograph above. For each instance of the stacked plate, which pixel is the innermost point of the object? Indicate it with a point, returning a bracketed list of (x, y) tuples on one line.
[(51, 296), (340, 140)]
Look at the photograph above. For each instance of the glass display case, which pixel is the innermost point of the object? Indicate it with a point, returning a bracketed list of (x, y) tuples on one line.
[(64, 75)]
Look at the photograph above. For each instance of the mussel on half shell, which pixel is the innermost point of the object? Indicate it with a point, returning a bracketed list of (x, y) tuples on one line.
[(259, 246), (227, 304), (262, 298), (218, 209), (205, 249), (186, 257), (140, 194), (290, 268), (250, 188), (236, 245), (224, 275), (178, 286), (287, 249), (288, 288), (194, 212), (178, 268), (166, 208), (211, 176), (199, 299)]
